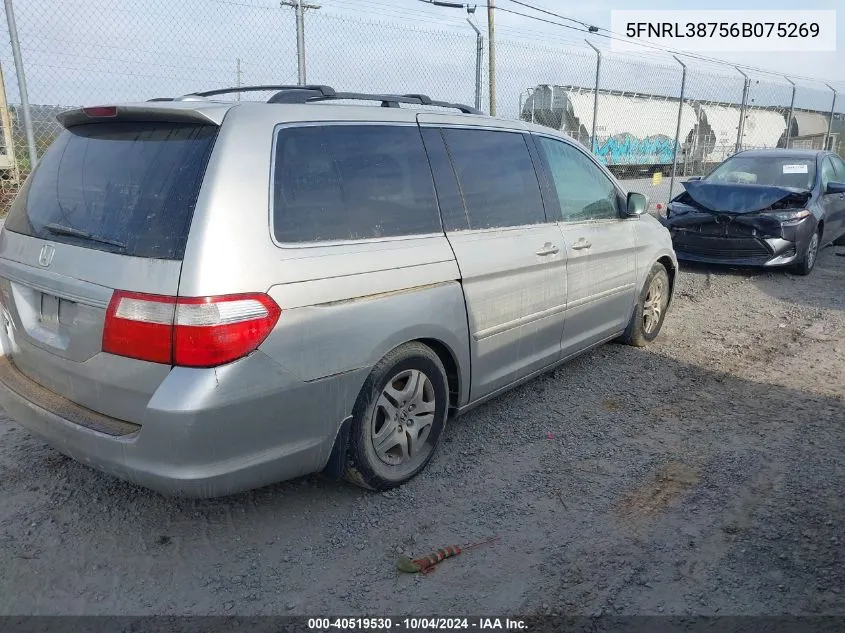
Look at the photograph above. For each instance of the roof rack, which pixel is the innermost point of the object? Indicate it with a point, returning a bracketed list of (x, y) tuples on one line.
[(315, 93)]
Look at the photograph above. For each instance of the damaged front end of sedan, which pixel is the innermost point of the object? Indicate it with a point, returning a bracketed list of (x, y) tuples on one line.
[(740, 224)]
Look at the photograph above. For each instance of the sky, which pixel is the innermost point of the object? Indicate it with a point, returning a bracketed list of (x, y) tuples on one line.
[(830, 66), (98, 51)]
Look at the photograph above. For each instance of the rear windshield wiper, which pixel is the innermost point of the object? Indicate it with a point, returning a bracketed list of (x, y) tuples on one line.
[(59, 229)]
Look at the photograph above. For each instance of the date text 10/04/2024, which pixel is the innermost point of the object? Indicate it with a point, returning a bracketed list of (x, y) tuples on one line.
[(415, 624)]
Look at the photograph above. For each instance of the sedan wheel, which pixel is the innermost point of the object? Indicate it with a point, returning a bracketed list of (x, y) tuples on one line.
[(811, 253)]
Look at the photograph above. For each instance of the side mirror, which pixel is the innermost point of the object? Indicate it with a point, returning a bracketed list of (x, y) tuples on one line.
[(693, 178), (835, 187), (637, 204)]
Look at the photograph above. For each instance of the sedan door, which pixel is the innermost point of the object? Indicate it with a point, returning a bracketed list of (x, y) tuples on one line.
[(511, 257), (600, 243), (833, 170)]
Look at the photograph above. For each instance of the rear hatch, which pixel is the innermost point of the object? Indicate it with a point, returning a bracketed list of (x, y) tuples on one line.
[(108, 207)]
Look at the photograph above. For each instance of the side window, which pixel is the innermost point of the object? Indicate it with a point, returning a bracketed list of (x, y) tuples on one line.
[(828, 172), (451, 204), (839, 167), (351, 182), (584, 192), (496, 177)]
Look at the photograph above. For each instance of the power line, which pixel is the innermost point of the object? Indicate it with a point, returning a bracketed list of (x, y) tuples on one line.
[(589, 27)]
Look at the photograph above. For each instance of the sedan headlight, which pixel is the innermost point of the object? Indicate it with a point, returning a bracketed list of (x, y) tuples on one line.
[(789, 217)]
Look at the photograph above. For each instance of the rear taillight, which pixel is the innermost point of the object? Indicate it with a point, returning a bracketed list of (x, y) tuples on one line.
[(187, 331)]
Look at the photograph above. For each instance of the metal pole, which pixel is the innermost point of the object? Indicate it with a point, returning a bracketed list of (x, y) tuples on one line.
[(830, 118), (678, 128), (593, 144), (789, 116), (238, 73), (479, 52), (740, 129), (300, 41), (19, 71), (491, 57)]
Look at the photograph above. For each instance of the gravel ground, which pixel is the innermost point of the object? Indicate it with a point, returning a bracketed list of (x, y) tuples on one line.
[(701, 475)]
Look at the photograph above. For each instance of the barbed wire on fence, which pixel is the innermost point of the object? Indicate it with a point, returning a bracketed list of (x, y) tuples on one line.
[(625, 108)]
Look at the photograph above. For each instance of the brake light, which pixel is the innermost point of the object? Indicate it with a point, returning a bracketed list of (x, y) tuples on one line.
[(101, 111), (187, 331)]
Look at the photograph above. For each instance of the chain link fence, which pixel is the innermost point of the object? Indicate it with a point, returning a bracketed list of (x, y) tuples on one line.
[(631, 111)]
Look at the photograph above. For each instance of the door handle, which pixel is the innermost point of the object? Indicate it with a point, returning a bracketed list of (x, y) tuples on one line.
[(581, 245), (548, 249)]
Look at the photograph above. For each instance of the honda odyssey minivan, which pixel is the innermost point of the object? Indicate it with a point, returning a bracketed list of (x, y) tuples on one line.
[(206, 296)]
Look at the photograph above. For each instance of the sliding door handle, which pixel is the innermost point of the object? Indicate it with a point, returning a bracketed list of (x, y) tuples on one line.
[(581, 245)]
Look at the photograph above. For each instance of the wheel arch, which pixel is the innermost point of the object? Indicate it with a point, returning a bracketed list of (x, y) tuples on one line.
[(672, 271), (450, 363)]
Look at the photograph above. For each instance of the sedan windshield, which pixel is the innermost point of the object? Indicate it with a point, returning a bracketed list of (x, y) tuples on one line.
[(777, 171)]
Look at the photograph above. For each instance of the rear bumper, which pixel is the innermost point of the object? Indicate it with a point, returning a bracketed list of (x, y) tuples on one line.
[(206, 433)]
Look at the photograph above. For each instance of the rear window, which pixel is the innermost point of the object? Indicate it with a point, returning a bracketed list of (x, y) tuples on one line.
[(352, 182), (122, 187)]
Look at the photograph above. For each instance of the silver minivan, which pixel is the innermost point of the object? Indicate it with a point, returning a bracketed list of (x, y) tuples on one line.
[(205, 296)]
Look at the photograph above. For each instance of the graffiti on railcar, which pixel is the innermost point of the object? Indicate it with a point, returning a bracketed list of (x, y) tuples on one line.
[(627, 149), (637, 131)]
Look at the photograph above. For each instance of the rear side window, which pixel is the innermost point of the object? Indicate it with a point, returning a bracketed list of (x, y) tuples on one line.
[(839, 168), (496, 177), (352, 182), (123, 187)]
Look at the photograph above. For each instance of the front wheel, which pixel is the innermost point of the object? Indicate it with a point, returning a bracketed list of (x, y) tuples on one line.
[(650, 310), (811, 252), (398, 418)]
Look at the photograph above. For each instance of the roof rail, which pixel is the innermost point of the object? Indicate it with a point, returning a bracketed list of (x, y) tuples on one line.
[(326, 91), (313, 93), (321, 90)]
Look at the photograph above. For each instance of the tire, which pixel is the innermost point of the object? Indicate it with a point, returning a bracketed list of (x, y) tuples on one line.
[(810, 255), (384, 414), (643, 328)]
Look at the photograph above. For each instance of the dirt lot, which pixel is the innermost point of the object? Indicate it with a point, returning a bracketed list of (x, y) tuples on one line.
[(701, 475)]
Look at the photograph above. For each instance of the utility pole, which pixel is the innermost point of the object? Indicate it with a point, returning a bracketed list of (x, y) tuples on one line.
[(300, 7), (491, 59), (238, 75)]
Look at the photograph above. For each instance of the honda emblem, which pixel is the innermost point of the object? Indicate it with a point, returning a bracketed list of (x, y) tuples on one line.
[(45, 257)]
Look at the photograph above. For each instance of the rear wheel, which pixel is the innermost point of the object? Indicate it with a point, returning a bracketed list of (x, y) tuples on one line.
[(398, 419), (811, 252), (650, 310)]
